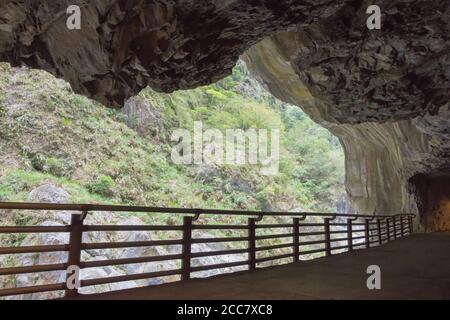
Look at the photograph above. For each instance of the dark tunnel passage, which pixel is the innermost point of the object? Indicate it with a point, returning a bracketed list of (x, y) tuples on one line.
[(433, 200)]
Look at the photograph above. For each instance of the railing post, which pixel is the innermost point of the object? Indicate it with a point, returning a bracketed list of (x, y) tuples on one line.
[(388, 227), (349, 234), (410, 222), (366, 232), (380, 239), (395, 227), (75, 242), (251, 243), (327, 237), (296, 241), (187, 248), (402, 229)]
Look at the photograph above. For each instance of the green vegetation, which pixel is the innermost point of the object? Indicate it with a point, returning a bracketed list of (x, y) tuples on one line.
[(49, 134)]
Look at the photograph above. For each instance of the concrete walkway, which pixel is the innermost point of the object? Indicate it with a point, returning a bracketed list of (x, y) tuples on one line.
[(416, 267)]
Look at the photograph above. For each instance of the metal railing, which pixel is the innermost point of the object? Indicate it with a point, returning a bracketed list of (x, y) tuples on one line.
[(355, 231)]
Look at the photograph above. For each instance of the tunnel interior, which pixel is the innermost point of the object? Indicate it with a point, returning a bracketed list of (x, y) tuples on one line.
[(432, 192)]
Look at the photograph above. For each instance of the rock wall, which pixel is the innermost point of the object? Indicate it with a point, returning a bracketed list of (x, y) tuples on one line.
[(434, 201), (384, 93), (126, 45)]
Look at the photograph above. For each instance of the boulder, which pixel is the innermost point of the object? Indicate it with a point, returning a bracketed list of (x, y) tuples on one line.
[(48, 193)]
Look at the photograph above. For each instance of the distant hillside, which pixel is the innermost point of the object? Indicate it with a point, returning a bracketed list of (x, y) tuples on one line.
[(49, 134)]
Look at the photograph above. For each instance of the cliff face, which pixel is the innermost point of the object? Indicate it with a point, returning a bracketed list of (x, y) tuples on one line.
[(384, 93)]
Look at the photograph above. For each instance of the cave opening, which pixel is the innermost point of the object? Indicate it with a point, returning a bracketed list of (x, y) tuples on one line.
[(136, 158), (432, 192)]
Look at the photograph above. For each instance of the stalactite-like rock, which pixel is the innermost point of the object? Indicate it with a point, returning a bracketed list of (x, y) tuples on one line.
[(126, 45)]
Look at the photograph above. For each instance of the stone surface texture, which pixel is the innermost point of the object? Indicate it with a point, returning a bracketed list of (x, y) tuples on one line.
[(125, 45)]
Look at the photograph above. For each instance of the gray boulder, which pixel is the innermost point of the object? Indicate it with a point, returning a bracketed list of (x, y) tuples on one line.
[(49, 193)]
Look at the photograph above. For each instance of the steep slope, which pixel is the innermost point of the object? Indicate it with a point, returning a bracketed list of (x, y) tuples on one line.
[(49, 134)]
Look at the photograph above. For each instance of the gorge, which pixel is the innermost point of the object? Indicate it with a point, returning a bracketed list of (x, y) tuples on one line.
[(384, 93)]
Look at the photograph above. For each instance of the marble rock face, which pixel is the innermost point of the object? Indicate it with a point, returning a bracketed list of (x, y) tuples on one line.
[(385, 93)]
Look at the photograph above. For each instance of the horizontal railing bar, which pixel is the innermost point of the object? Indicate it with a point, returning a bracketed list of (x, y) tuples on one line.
[(319, 233), (33, 289), (121, 208), (129, 244), (340, 239), (274, 226), (303, 243), (116, 262), (219, 227), (34, 249), (217, 253), (91, 228), (33, 269), (271, 258), (276, 246), (212, 240), (340, 247), (338, 231), (312, 224), (274, 236), (37, 229), (302, 253), (129, 277), (316, 233), (219, 266)]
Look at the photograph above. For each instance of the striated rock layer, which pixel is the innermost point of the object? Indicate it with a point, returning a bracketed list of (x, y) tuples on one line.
[(384, 93), (126, 45)]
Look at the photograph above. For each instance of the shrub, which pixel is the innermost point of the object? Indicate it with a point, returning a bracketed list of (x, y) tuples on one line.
[(103, 185), (55, 166)]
